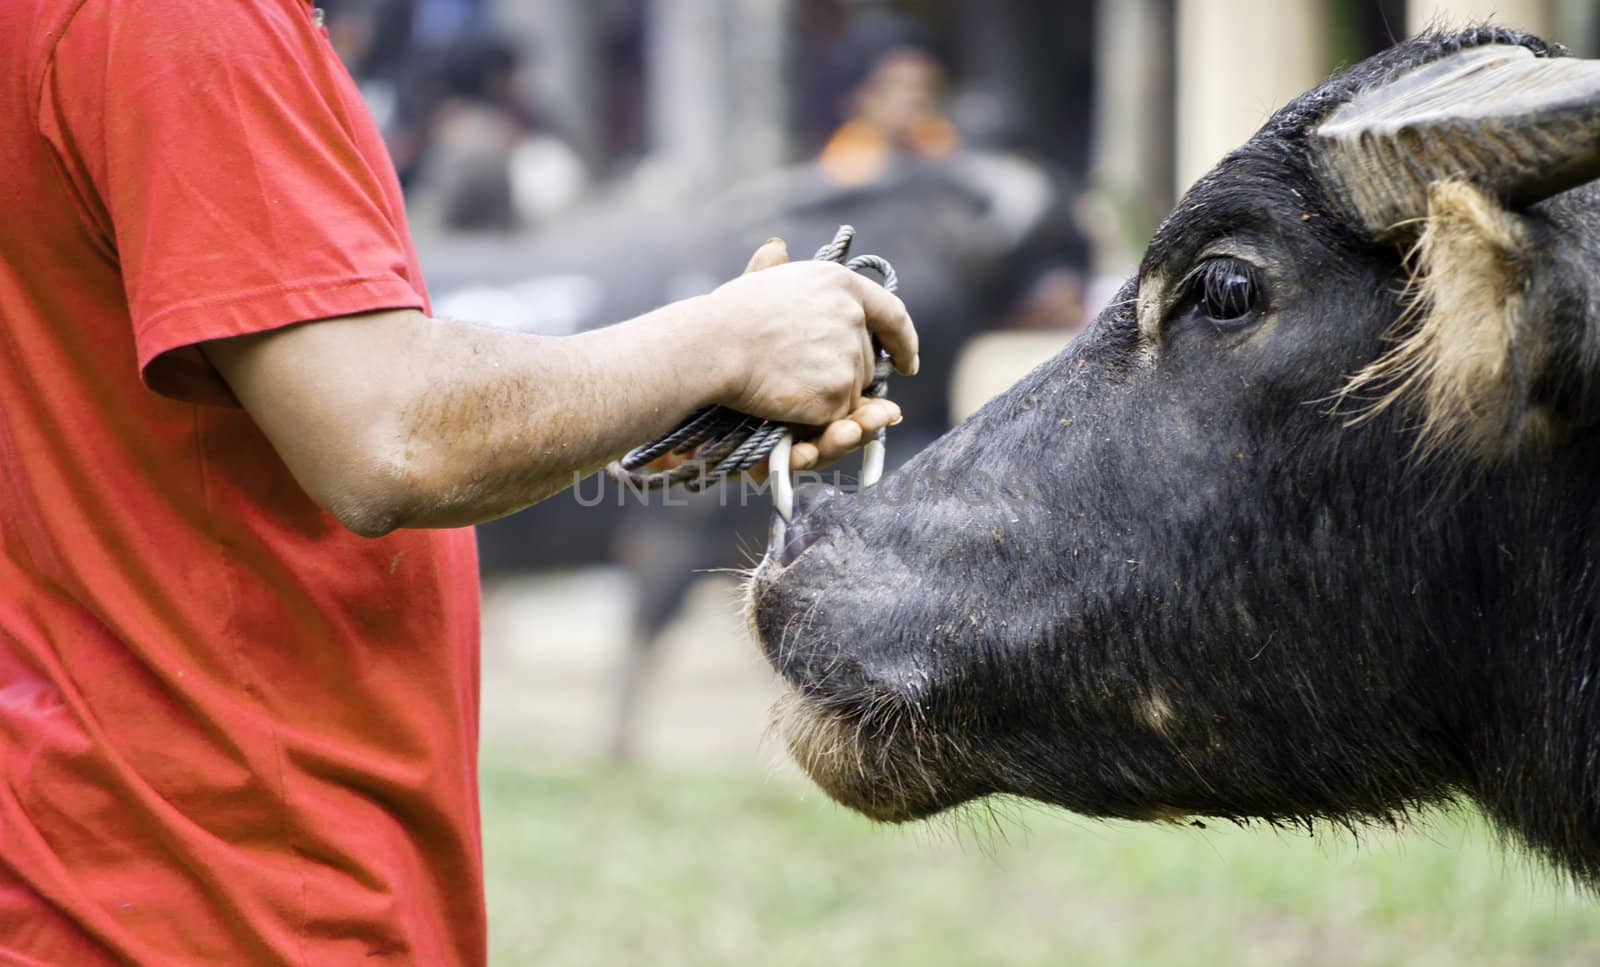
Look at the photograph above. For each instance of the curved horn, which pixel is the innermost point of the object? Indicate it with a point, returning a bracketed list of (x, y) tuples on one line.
[(1518, 126)]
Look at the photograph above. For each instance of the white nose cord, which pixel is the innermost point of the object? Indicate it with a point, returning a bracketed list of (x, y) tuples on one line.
[(726, 443), (778, 476), (872, 457)]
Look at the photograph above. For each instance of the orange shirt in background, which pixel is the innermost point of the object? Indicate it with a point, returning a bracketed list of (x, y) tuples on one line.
[(859, 154)]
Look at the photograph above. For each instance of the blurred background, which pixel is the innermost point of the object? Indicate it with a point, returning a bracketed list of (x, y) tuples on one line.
[(572, 163)]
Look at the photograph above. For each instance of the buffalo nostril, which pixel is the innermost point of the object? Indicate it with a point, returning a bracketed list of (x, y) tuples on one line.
[(809, 497), (789, 539)]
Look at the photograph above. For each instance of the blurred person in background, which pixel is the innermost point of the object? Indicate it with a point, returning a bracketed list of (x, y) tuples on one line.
[(895, 115), (239, 635), (895, 107), (472, 151)]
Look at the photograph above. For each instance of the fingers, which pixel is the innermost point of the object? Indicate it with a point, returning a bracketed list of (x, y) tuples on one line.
[(889, 321), (773, 252), (803, 457), (874, 415), (840, 437)]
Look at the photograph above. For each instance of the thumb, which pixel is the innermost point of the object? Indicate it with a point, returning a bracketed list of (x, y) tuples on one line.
[(772, 252)]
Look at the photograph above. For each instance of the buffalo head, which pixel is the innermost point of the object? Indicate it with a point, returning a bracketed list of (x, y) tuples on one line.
[(1303, 527)]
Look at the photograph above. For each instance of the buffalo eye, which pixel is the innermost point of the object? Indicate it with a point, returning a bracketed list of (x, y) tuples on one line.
[(1225, 291)]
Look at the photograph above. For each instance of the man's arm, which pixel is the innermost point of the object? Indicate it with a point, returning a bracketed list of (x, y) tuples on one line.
[(392, 419)]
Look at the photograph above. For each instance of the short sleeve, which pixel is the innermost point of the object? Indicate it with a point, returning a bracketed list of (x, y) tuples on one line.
[(221, 151)]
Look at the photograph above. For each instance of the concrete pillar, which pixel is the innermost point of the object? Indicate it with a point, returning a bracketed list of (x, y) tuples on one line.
[(717, 76), (1536, 16), (1131, 168), (758, 51), (687, 87), (567, 76), (1238, 61)]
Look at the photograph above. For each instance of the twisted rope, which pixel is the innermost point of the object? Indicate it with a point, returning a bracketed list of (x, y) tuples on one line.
[(733, 442)]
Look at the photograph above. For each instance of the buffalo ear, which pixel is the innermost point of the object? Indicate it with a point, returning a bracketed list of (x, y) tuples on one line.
[(1471, 344), (1518, 126)]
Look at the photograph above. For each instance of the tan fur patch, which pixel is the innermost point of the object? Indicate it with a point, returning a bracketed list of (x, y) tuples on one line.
[(1462, 361), (880, 761)]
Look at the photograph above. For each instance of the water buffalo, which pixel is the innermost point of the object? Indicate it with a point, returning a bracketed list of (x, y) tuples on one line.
[(1303, 527)]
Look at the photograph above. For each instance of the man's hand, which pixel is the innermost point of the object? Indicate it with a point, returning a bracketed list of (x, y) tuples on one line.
[(838, 437), (799, 337)]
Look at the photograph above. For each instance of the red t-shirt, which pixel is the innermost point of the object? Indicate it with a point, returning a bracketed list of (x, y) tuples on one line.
[(231, 732)]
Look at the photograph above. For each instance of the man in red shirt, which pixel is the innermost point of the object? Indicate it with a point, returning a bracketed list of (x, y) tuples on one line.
[(238, 671)]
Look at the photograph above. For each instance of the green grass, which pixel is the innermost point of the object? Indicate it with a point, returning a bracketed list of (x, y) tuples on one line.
[(664, 868)]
